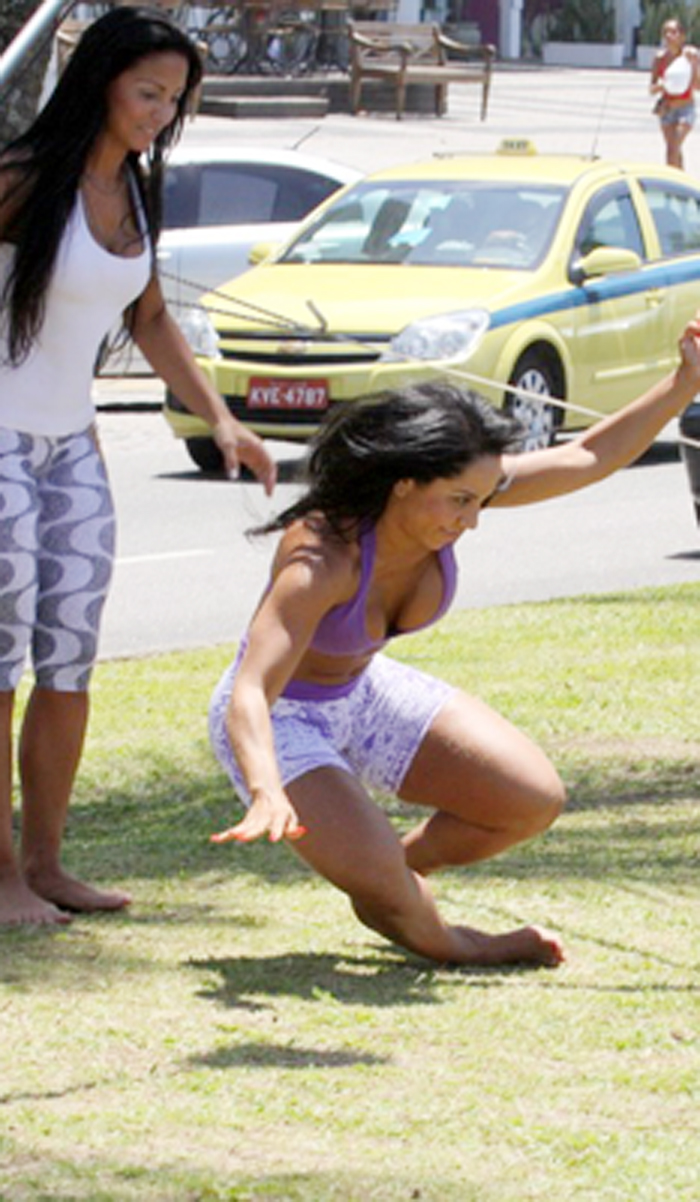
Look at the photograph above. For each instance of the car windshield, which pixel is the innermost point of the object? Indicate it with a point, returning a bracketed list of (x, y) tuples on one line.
[(436, 223)]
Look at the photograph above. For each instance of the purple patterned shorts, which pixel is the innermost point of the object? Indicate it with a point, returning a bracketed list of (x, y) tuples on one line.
[(373, 732), (57, 536)]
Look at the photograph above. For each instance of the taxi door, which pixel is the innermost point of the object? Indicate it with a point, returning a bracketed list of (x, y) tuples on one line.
[(621, 322)]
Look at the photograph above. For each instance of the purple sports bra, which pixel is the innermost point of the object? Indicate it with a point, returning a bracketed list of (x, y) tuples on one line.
[(342, 631)]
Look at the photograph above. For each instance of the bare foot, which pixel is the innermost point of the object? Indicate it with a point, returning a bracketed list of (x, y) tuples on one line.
[(19, 906), (71, 894), (528, 945)]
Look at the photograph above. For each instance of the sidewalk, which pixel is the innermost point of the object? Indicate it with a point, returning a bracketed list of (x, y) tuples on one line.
[(602, 112), (128, 392)]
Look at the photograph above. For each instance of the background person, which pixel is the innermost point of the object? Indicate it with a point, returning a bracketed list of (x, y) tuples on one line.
[(312, 714), (674, 78), (79, 220)]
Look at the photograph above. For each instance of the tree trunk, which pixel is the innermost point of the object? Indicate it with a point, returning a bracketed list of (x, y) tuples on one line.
[(19, 100)]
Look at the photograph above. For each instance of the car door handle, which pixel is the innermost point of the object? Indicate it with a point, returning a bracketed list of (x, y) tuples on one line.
[(654, 296)]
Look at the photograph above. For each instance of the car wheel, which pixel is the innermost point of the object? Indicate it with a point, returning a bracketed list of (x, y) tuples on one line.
[(205, 453), (535, 374)]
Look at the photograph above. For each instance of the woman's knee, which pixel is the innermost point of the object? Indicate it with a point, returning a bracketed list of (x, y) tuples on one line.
[(550, 807), (544, 801)]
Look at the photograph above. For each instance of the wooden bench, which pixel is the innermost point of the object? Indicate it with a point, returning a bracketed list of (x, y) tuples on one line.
[(403, 54)]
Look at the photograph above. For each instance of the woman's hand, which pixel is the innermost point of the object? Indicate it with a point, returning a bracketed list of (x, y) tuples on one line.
[(239, 445), (689, 346), (271, 814)]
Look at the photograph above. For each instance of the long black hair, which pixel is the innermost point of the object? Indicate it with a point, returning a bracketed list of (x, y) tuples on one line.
[(49, 158), (423, 433)]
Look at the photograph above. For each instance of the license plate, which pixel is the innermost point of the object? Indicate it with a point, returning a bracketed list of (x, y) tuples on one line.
[(287, 394)]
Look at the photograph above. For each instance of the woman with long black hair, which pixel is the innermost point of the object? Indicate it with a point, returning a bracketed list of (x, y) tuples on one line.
[(80, 208)]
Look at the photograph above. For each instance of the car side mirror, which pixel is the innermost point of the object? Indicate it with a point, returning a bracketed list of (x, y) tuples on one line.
[(604, 260), (260, 251)]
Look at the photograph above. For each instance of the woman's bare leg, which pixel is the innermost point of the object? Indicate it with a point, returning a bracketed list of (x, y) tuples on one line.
[(352, 844), (18, 904), (489, 785), (50, 748), (675, 136)]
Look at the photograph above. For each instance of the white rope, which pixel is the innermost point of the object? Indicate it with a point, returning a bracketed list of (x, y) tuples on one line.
[(541, 398), (462, 374)]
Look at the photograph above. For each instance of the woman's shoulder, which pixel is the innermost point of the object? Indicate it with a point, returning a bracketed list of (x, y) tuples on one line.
[(318, 555)]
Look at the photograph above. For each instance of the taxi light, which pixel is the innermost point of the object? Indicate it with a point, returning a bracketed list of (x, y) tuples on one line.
[(517, 146)]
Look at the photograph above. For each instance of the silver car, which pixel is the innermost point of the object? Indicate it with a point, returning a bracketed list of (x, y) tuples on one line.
[(218, 202)]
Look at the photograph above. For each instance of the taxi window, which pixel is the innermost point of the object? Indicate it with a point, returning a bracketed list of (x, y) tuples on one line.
[(676, 216), (610, 220)]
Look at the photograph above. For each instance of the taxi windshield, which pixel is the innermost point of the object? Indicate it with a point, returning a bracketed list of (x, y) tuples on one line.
[(436, 224)]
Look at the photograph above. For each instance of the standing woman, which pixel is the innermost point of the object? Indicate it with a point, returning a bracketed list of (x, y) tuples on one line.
[(80, 208), (674, 78)]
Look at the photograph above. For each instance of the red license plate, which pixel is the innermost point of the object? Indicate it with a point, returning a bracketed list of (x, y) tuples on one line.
[(287, 394)]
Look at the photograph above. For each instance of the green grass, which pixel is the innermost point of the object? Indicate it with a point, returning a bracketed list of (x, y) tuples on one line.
[(238, 1036)]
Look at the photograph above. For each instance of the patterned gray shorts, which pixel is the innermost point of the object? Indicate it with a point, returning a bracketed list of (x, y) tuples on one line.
[(57, 538), (373, 732)]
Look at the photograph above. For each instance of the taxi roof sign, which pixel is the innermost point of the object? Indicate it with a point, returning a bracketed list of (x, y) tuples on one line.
[(517, 146)]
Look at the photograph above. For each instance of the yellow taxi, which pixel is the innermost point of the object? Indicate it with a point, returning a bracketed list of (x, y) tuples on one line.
[(555, 285)]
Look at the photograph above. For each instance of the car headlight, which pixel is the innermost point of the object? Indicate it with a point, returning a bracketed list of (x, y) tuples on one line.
[(200, 332), (446, 336)]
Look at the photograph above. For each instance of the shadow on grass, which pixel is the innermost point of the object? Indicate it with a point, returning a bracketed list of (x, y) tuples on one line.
[(94, 1177), (259, 1055), (161, 826), (385, 978)]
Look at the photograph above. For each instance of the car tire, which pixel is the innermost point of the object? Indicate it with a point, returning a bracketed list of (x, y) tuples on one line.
[(535, 373), (205, 453)]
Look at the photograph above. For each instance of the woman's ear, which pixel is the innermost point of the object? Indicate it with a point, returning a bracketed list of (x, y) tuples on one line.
[(403, 487)]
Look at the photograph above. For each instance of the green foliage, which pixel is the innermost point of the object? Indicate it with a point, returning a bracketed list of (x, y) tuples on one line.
[(582, 21)]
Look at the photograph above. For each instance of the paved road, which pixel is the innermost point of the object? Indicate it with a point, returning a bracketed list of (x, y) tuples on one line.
[(187, 576)]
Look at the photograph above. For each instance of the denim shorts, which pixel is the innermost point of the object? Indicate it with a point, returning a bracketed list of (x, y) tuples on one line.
[(684, 114), (373, 732)]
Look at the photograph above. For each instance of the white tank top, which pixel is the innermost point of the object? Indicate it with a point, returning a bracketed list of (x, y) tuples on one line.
[(50, 393)]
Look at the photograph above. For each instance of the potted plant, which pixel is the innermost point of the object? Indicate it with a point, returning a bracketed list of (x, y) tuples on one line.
[(582, 34)]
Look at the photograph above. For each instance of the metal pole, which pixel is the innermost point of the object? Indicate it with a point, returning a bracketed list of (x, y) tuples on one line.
[(12, 58)]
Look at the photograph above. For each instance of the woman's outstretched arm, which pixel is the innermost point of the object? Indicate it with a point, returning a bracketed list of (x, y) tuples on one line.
[(611, 443)]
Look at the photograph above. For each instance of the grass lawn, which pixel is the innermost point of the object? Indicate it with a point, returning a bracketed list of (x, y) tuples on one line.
[(237, 1035)]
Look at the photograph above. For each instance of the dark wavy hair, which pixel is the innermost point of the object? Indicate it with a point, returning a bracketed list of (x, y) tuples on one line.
[(424, 433), (49, 158)]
